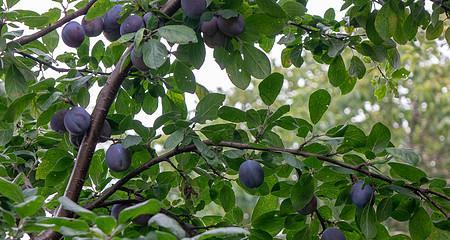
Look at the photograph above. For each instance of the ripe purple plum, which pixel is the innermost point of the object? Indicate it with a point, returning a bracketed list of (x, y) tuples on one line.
[(131, 24), (209, 27), (216, 40), (361, 194), (231, 27), (138, 61), (77, 121), (118, 158), (112, 35), (73, 34), (106, 132), (111, 19), (92, 28), (193, 8), (310, 207), (57, 122), (251, 174), (332, 234)]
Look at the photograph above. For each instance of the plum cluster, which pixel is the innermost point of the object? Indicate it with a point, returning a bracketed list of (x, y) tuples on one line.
[(218, 29), (139, 220), (76, 122), (73, 33)]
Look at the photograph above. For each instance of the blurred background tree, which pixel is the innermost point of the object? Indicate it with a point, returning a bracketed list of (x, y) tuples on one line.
[(418, 109)]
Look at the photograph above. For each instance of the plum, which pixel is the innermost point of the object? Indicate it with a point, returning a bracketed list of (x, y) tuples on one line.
[(138, 61), (361, 194), (131, 24), (57, 122), (118, 158), (310, 207), (73, 34), (193, 8), (139, 220), (77, 121), (106, 132), (117, 208), (92, 28), (216, 40), (251, 174), (112, 35), (76, 140), (231, 27), (332, 234), (111, 18), (209, 28)]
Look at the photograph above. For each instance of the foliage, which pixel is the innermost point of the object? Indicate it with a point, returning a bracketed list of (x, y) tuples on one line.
[(203, 150)]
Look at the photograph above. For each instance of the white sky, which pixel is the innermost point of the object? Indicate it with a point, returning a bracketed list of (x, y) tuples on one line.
[(210, 75)]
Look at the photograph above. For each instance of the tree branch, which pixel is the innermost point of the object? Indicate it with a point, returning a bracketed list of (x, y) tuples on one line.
[(29, 38), (58, 69), (190, 148), (104, 102)]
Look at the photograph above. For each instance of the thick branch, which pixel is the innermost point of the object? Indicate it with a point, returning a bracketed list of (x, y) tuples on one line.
[(58, 69), (29, 38), (189, 148)]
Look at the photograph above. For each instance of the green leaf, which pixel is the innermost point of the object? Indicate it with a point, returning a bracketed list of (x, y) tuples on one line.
[(368, 222), (192, 54), (404, 155), (357, 68), (15, 82), (265, 204), (184, 78), (434, 31), (227, 198), (168, 223), (6, 133), (150, 104), (232, 114), (337, 72), (30, 206), (420, 225), (271, 8), (180, 34), (379, 138), (154, 53), (98, 9), (106, 224), (256, 61), (329, 14), (221, 233), (408, 172), (302, 192), (238, 75), (174, 139), (319, 101), (74, 207), (293, 8), (386, 22), (208, 107), (270, 87), (385, 209), (51, 161), (16, 109), (51, 40), (151, 207), (10, 190)]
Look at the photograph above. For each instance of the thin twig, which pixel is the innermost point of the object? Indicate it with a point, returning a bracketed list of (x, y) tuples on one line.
[(58, 69)]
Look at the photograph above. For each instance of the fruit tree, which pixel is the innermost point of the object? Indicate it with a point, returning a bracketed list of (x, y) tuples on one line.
[(57, 181)]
